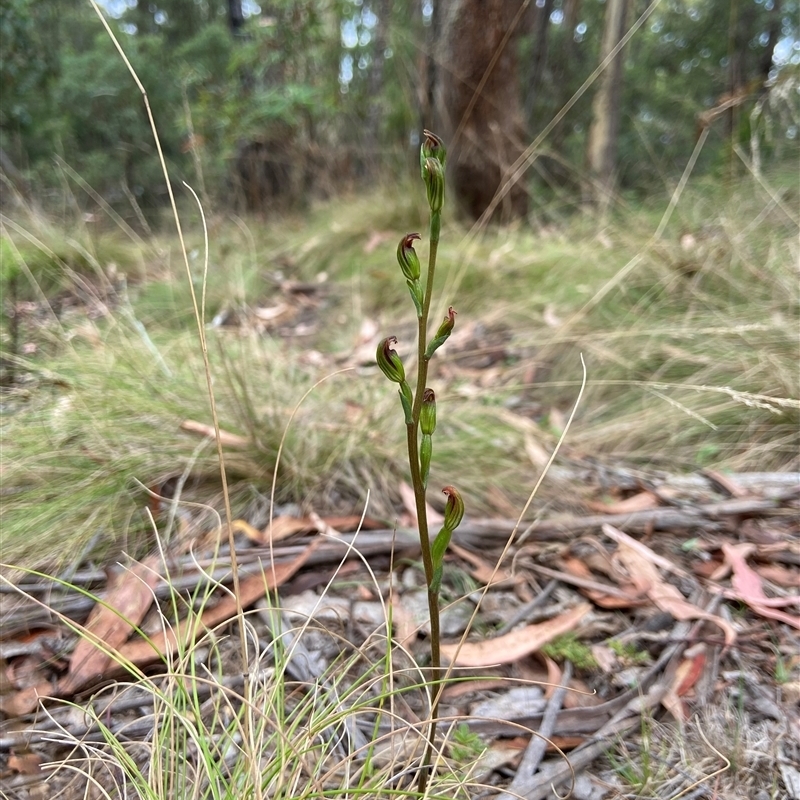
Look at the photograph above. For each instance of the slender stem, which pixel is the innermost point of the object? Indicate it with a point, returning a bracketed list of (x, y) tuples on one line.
[(412, 431)]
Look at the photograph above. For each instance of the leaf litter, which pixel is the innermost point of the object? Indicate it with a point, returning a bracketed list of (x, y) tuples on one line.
[(674, 645)]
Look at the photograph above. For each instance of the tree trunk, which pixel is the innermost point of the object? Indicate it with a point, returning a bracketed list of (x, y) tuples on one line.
[(606, 108), (565, 64), (431, 118), (541, 22), (376, 107), (235, 16), (484, 130)]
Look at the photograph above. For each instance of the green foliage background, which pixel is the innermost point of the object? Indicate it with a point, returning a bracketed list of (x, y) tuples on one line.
[(299, 79)]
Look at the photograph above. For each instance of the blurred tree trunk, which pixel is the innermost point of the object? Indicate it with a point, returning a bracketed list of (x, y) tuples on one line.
[(376, 108), (431, 117), (235, 16), (740, 30), (539, 27), (607, 107), (492, 132), (565, 64)]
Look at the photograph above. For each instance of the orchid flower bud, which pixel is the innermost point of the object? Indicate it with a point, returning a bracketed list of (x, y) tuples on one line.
[(454, 508), (407, 256), (432, 147), (443, 333), (433, 175), (453, 514), (389, 361), (427, 414)]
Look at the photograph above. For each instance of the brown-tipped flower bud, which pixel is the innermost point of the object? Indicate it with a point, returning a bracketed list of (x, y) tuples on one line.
[(407, 256), (453, 510), (389, 361), (427, 413), (432, 147), (433, 175), (442, 333)]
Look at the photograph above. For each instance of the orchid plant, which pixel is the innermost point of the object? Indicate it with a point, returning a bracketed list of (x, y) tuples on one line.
[(419, 411)]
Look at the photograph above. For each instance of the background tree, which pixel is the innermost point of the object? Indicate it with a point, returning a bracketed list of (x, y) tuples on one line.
[(480, 103), (602, 141), (269, 105)]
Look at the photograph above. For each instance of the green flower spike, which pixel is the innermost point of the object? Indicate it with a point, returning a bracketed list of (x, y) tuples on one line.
[(389, 362), (442, 334)]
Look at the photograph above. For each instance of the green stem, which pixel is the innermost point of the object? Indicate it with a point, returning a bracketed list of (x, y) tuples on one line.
[(412, 431)]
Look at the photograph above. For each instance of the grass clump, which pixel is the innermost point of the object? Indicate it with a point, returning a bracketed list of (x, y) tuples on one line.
[(318, 710), (98, 424), (568, 647), (628, 653)]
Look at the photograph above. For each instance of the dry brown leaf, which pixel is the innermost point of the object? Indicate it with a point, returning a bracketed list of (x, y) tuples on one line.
[(727, 483), (686, 676), (26, 670), (606, 597), (283, 527), (227, 439), (515, 645), (747, 587), (537, 455), (140, 652), (605, 657), (271, 313), (454, 691), (403, 622), (127, 600), (481, 570), (410, 505), (620, 537), (25, 700), (27, 763), (323, 526), (554, 677), (643, 501), (775, 573), (664, 595)]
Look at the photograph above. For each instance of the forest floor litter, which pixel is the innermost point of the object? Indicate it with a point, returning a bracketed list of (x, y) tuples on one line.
[(671, 627)]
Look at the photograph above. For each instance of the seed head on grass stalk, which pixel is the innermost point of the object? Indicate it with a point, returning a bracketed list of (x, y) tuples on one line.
[(419, 412)]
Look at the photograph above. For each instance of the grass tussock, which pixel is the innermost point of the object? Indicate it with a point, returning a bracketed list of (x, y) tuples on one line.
[(690, 341), (316, 715)]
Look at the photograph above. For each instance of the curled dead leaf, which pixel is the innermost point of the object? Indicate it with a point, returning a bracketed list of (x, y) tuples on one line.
[(515, 645)]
